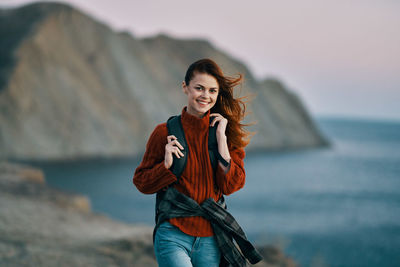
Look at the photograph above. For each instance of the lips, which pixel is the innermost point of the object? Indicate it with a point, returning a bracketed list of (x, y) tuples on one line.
[(203, 103)]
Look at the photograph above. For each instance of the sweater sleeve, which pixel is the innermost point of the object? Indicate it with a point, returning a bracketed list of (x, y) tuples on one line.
[(234, 179), (151, 175)]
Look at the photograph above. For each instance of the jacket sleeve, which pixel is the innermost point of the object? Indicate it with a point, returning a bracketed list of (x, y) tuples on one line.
[(151, 175), (234, 179)]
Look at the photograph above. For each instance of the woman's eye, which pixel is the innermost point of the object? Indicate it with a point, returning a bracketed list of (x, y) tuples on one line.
[(198, 88)]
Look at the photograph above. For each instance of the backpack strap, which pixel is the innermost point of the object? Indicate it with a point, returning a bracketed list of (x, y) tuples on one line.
[(213, 145), (213, 148), (174, 126)]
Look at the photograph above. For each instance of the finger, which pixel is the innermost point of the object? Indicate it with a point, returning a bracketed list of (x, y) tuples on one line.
[(178, 151), (175, 150), (171, 137), (214, 121), (176, 142), (177, 154)]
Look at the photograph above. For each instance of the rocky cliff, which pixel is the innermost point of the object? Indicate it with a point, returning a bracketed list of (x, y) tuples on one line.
[(42, 226), (72, 87)]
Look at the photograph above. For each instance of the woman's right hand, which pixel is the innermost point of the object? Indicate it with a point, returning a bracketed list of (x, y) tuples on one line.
[(172, 147)]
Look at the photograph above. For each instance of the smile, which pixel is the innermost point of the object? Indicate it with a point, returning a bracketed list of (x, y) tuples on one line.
[(202, 102)]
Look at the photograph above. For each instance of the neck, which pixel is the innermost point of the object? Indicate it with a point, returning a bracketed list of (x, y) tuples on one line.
[(195, 121), (196, 114)]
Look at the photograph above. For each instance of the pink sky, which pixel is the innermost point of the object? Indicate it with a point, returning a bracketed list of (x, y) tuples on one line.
[(341, 57)]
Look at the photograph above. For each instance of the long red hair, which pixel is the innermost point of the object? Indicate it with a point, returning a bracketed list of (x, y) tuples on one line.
[(233, 109)]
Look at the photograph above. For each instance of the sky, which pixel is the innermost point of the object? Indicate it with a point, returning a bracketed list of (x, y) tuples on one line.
[(341, 57)]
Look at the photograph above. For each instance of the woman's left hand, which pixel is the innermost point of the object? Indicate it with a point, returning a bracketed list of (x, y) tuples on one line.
[(221, 125), (221, 138)]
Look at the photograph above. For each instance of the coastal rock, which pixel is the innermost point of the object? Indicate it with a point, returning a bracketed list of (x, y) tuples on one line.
[(42, 226), (71, 87)]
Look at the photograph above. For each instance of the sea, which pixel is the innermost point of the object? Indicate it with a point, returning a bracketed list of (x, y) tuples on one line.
[(331, 206)]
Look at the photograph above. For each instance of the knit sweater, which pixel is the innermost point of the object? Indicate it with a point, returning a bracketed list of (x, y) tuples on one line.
[(197, 180)]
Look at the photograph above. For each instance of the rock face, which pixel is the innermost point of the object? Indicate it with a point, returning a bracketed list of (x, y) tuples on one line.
[(72, 87), (42, 226)]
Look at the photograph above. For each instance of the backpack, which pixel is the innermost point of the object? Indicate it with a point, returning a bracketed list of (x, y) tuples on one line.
[(174, 126)]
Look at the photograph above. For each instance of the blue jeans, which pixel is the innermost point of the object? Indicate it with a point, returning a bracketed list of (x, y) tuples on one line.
[(174, 248)]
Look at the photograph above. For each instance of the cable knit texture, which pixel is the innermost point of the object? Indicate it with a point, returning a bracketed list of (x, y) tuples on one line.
[(197, 180)]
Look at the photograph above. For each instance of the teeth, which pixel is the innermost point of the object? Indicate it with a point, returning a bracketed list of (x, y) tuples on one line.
[(202, 102)]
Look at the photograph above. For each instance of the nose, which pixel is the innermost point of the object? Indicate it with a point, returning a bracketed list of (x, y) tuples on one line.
[(205, 93)]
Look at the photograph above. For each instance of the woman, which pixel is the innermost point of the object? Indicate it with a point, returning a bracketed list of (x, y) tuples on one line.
[(190, 241)]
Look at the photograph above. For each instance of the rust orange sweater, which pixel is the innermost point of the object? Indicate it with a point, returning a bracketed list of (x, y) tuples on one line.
[(197, 180)]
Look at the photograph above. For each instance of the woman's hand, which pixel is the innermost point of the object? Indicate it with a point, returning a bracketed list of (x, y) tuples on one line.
[(221, 138), (172, 147), (221, 128)]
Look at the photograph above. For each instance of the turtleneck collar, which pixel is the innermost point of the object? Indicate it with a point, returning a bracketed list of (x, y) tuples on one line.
[(195, 123)]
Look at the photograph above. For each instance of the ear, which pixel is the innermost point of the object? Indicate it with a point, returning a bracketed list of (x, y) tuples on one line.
[(184, 87)]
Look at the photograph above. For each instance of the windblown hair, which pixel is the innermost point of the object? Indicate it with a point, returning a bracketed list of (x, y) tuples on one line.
[(233, 109)]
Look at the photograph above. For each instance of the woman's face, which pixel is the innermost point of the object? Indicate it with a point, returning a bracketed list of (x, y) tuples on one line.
[(202, 93)]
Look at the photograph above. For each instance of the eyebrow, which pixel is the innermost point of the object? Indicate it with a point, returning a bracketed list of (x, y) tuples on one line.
[(210, 88)]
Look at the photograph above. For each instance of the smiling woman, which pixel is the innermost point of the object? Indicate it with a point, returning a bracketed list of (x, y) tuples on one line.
[(188, 232)]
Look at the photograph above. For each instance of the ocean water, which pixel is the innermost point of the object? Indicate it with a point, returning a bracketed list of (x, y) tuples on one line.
[(336, 206)]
